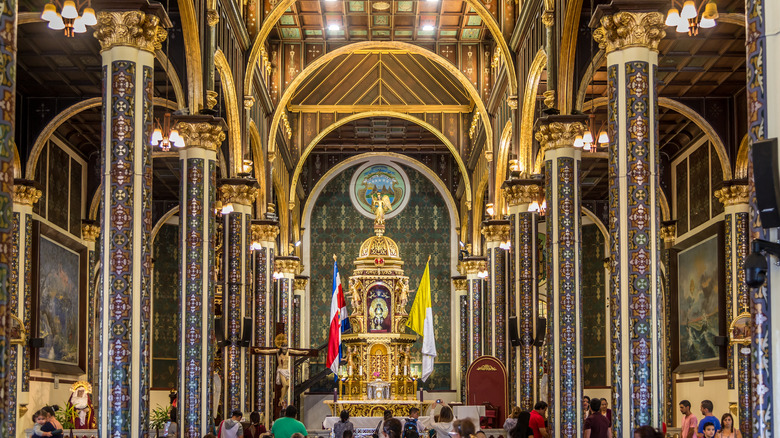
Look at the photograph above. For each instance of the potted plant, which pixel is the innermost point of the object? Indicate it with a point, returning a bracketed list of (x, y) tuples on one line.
[(65, 417), (158, 417)]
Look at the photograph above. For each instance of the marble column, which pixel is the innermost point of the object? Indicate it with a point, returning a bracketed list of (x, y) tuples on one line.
[(496, 234), (25, 195), (475, 269), (264, 234), (461, 300), (239, 193), (563, 194), (735, 196), (630, 36), (668, 235), (288, 267), (523, 288), (128, 40), (763, 103), (203, 136)]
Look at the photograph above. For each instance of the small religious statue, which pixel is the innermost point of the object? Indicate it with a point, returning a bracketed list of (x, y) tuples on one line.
[(379, 313), (83, 416), (381, 204), (402, 292), (354, 291), (407, 360), (283, 362)]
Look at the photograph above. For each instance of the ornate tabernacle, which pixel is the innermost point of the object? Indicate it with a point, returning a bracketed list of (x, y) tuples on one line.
[(377, 374)]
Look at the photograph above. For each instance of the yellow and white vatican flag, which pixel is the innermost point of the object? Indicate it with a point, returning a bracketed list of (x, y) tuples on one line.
[(421, 321)]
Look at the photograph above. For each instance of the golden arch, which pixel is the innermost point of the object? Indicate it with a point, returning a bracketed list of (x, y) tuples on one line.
[(277, 12), (258, 161), (568, 48), (478, 212), (236, 155), (501, 165), (538, 65), (368, 114), (741, 171), (378, 46), (192, 54), (695, 117), (64, 116)]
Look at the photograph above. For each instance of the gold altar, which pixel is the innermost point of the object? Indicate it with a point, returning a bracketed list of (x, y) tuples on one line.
[(378, 374)]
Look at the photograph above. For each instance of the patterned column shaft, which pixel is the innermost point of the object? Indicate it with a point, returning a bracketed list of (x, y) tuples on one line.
[(522, 296), (496, 234), (299, 291), (203, 135), (90, 233), (25, 195), (264, 234), (475, 269), (631, 43), (735, 196), (288, 267), (128, 41), (460, 284), (556, 136), (668, 234), (240, 193)]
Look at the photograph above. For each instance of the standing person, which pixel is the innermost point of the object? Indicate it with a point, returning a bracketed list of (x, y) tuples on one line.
[(413, 428), (232, 428), (51, 425), (605, 410), (256, 427), (689, 423), (537, 420), (343, 425), (708, 429), (286, 426), (391, 427), (597, 425), (388, 414), (727, 429), (511, 421), (706, 412), (585, 407), (443, 427), (522, 429), (171, 428)]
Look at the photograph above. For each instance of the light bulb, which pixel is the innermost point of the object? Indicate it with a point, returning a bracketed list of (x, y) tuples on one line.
[(586, 147), (587, 138), (175, 138), (69, 10), (89, 17), (333, 27), (707, 23), (489, 209), (603, 137), (578, 143), (710, 11), (79, 26), (56, 23), (157, 137), (428, 27), (672, 17), (688, 10), (49, 12), (533, 207), (682, 26), (227, 208)]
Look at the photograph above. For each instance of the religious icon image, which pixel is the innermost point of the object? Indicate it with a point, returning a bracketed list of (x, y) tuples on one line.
[(80, 400), (379, 312), (379, 189)]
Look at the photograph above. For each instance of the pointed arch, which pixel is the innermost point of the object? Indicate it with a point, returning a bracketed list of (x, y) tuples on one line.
[(258, 161), (504, 146), (538, 65), (236, 154)]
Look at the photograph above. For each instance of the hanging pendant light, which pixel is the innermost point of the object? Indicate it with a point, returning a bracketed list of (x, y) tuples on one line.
[(688, 10), (672, 17), (688, 20), (65, 16), (603, 137)]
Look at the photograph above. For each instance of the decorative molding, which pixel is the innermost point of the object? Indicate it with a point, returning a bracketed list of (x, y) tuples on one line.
[(669, 231), (238, 191), (511, 100), (249, 101), (630, 29), (212, 17), (548, 18), (474, 124), (496, 231), (522, 191), (25, 192), (472, 265), (460, 284), (90, 231), (549, 98), (264, 232), (129, 28), (205, 132), (733, 193), (211, 99), (286, 125), (300, 282), (287, 265), (554, 132)]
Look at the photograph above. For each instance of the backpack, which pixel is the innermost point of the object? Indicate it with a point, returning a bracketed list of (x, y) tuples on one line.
[(410, 429)]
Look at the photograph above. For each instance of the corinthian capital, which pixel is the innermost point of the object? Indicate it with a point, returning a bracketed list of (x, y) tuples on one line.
[(630, 29), (555, 132), (205, 132), (129, 28)]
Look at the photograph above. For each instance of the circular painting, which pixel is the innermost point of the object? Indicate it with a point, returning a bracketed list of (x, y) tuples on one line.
[(383, 179)]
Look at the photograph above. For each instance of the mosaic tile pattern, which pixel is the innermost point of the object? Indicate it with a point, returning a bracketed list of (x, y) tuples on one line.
[(475, 308), (28, 225), (741, 221), (524, 244), (145, 213), (261, 323), (499, 305), (232, 311), (728, 225), (13, 302), (552, 411), (464, 343)]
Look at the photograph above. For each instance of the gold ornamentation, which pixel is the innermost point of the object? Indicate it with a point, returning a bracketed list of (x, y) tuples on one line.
[(286, 125), (669, 232), (474, 124), (212, 17), (548, 18), (211, 99), (249, 101), (487, 367), (264, 232), (374, 408), (129, 28), (558, 134), (516, 194), (496, 62), (734, 194), (204, 135), (90, 232), (242, 194), (472, 266), (461, 284), (266, 61), (379, 246), (496, 232), (300, 283), (25, 193), (287, 265), (512, 101), (549, 98), (630, 29)]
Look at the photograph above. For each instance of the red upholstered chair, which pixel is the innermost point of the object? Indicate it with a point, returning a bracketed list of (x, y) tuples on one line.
[(490, 420)]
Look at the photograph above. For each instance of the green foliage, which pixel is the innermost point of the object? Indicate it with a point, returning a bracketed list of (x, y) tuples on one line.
[(159, 416), (65, 417)]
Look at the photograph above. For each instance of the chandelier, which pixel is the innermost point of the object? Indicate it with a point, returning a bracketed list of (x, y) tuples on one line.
[(586, 140), (66, 16), (688, 20), (164, 137)]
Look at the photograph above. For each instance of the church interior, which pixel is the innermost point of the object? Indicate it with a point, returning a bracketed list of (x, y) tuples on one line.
[(583, 195)]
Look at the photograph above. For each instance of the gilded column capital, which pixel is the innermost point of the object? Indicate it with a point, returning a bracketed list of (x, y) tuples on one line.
[(460, 283), (548, 18), (472, 265), (249, 101), (89, 231), (733, 193), (511, 101), (25, 192), (212, 17), (522, 191), (264, 231), (211, 99), (287, 264), (669, 231), (626, 29), (129, 28), (549, 98), (204, 132), (496, 230), (555, 132), (300, 282), (241, 191)]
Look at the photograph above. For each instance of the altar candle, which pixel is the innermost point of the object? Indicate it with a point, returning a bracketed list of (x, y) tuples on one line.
[(406, 370), (350, 370), (396, 368), (361, 370)]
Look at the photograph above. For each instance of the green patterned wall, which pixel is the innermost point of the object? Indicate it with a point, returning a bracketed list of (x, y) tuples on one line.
[(165, 307), (422, 228), (594, 313)]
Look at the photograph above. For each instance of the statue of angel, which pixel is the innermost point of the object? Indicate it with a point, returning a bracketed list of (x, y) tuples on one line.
[(354, 292), (381, 205), (402, 296)]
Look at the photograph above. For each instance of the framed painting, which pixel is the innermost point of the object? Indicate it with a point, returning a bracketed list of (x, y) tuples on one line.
[(59, 301), (698, 302)]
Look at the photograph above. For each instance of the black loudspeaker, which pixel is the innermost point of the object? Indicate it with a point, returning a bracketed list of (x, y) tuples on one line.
[(767, 181), (514, 339), (219, 330), (541, 331), (246, 334)]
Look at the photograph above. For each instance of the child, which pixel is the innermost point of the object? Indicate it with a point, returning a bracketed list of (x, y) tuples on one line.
[(39, 419), (709, 430)]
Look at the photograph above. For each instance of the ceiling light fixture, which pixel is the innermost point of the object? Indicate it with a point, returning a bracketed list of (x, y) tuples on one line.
[(66, 16), (164, 137), (688, 19), (428, 28), (333, 27)]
